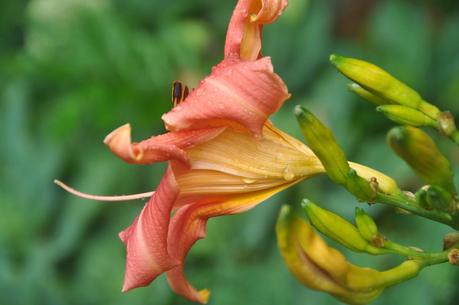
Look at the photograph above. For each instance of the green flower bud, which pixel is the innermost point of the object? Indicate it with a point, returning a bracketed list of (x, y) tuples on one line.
[(367, 95), (380, 83), (438, 198), (324, 145), (361, 188), (366, 225), (319, 266), (421, 198), (420, 152), (335, 227), (406, 116)]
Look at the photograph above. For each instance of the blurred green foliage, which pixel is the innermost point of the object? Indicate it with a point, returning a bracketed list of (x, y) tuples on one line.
[(71, 71)]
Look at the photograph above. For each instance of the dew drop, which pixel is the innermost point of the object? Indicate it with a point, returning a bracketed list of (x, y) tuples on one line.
[(248, 180), (288, 174)]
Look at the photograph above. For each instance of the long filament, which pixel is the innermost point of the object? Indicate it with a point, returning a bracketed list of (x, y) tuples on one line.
[(102, 198)]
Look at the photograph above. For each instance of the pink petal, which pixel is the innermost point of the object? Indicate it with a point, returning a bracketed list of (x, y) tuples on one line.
[(243, 38), (237, 93), (146, 237), (189, 225), (169, 146)]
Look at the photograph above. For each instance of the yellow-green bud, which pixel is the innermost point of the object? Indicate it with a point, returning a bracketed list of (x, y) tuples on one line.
[(438, 198), (381, 182), (367, 95), (324, 145), (406, 116), (366, 225), (380, 83), (318, 266), (420, 152), (335, 227)]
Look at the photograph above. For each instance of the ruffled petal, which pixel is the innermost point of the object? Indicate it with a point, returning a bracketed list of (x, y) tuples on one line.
[(243, 38), (237, 93), (169, 146), (189, 225), (146, 237)]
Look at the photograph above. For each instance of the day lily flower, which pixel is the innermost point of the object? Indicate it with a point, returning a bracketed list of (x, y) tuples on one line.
[(224, 156)]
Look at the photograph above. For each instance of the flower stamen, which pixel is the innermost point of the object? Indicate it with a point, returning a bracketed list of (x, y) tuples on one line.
[(102, 198), (179, 92)]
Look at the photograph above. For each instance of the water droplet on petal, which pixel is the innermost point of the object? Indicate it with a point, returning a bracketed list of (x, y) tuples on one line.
[(288, 174), (248, 180)]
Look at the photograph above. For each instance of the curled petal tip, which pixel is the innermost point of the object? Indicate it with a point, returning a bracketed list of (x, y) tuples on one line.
[(112, 136), (204, 295), (270, 10), (119, 142)]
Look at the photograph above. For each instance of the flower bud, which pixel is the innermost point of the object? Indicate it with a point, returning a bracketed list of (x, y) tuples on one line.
[(321, 267), (367, 95), (324, 145), (438, 198), (315, 264), (381, 182), (420, 152), (421, 198), (335, 227), (406, 116), (366, 225), (380, 83)]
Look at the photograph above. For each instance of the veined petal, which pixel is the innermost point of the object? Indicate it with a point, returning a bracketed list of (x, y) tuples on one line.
[(275, 155), (169, 146), (208, 182), (242, 94), (146, 237), (189, 225), (243, 37)]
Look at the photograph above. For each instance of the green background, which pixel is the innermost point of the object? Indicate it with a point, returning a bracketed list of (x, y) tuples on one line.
[(71, 71)]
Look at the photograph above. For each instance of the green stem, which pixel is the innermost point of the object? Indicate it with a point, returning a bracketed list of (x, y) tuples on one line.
[(454, 136), (433, 257), (400, 200)]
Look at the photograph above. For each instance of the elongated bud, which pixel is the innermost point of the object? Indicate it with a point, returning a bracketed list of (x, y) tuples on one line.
[(379, 181), (321, 267), (420, 152), (367, 95), (335, 227), (367, 227), (324, 145), (380, 83), (407, 116), (315, 264)]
